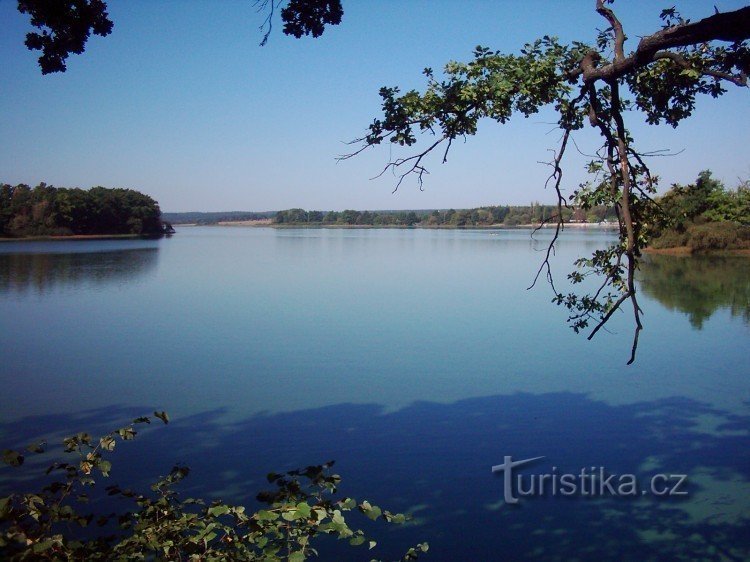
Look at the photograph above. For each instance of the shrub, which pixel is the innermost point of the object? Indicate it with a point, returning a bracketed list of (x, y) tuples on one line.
[(670, 239), (717, 236)]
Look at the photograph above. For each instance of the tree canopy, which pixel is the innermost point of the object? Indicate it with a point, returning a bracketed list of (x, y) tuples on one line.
[(46, 210), (64, 26), (704, 216)]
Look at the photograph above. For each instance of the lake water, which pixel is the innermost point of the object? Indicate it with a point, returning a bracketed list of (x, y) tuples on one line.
[(416, 359)]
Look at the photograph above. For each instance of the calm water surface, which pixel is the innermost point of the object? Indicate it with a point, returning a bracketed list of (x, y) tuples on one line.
[(417, 359)]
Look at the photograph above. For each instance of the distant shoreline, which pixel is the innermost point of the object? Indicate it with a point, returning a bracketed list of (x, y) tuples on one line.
[(682, 251), (268, 224)]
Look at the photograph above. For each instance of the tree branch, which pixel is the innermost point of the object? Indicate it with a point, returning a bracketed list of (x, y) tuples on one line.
[(557, 175), (739, 79), (729, 26), (619, 34), (415, 168)]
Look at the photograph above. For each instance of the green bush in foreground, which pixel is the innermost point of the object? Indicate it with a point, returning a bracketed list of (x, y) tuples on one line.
[(161, 526)]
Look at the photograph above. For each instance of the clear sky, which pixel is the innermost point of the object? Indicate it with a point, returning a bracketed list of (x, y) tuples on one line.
[(181, 103)]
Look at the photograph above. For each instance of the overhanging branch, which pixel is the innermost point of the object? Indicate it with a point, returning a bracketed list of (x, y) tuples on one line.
[(729, 26)]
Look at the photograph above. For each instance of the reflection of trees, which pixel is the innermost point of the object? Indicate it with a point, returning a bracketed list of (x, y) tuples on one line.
[(698, 285), (45, 272)]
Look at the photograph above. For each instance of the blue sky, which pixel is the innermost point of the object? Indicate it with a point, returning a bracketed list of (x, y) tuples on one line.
[(181, 103)]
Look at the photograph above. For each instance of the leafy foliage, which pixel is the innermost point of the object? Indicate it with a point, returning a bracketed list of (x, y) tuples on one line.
[(162, 526), (309, 17), (65, 27), (707, 200)]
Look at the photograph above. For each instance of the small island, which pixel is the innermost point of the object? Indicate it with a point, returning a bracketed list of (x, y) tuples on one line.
[(46, 211)]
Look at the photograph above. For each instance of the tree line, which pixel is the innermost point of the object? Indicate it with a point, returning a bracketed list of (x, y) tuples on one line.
[(45, 210), (500, 215)]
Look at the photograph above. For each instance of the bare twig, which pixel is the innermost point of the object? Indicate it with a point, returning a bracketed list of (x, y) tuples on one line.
[(556, 175), (268, 21), (415, 168)]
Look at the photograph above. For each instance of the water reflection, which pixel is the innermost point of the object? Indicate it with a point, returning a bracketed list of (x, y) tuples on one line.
[(699, 285), (44, 272)]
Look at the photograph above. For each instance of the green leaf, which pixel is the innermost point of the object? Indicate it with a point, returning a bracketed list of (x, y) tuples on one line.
[(337, 518), (303, 510), (41, 546), (4, 506), (107, 443), (264, 515), (218, 510), (348, 503), (126, 433), (13, 458), (356, 541), (374, 512), (37, 447), (162, 416), (297, 557), (290, 516)]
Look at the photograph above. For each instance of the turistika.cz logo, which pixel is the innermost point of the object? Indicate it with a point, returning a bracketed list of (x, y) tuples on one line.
[(593, 481)]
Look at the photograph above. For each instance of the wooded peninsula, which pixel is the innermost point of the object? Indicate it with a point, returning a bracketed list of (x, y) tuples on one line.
[(60, 211)]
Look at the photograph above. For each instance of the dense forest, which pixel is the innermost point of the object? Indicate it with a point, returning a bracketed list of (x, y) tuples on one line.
[(502, 215), (45, 210), (704, 216)]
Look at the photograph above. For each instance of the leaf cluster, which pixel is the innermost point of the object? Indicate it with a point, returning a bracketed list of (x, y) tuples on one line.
[(65, 26), (492, 85), (309, 17), (160, 525)]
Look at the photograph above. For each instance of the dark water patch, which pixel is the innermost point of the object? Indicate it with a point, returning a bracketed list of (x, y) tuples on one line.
[(434, 460), (46, 272)]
